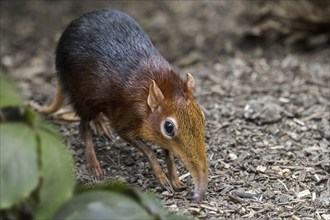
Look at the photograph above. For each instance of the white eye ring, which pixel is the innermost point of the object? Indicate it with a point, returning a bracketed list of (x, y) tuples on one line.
[(169, 127)]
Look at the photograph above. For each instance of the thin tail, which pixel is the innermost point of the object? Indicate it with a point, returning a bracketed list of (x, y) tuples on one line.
[(57, 102)]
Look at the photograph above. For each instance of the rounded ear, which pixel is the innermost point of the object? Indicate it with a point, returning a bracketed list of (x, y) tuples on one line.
[(155, 97), (190, 82)]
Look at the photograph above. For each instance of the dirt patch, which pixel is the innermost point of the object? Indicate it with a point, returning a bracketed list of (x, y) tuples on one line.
[(267, 106)]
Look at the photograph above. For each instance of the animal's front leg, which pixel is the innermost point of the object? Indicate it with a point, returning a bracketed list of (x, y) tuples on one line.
[(158, 171), (172, 171)]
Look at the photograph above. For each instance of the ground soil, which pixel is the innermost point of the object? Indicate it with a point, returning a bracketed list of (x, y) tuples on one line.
[(266, 103)]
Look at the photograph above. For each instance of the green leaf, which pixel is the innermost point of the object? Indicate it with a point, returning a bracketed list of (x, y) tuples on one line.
[(29, 115), (179, 217), (8, 94), (146, 200), (110, 186), (102, 205), (150, 203), (18, 164), (41, 124), (57, 175)]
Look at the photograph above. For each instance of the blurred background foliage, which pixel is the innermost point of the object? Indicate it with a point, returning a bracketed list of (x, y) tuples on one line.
[(300, 23)]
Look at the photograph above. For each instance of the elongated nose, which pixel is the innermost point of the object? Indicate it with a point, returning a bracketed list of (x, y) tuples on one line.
[(201, 182), (197, 165)]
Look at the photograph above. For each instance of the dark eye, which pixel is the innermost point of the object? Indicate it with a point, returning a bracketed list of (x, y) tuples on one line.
[(169, 128)]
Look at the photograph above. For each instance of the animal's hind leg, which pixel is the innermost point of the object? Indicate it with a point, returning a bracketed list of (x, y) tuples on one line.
[(93, 164), (67, 115), (56, 105), (101, 127)]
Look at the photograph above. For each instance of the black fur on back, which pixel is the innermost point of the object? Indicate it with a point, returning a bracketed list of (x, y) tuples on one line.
[(96, 57), (109, 36)]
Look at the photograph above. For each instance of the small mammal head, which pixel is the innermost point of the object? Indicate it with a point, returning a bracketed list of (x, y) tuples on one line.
[(177, 124)]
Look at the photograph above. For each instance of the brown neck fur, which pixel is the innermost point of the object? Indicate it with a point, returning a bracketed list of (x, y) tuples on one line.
[(169, 82), (133, 108)]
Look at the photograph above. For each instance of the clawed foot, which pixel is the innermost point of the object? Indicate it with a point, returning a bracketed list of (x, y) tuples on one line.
[(68, 116), (65, 114), (178, 185), (165, 183), (94, 168), (175, 185)]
